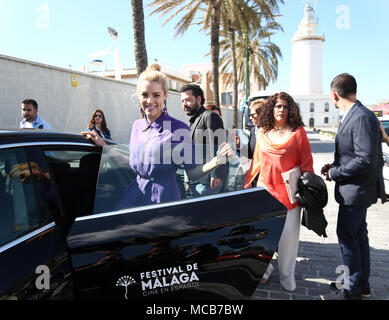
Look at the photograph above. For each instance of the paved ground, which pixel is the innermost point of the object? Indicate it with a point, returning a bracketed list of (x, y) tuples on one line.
[(319, 257)]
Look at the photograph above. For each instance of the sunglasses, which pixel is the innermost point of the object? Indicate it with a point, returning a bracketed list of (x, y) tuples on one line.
[(98, 116), (252, 114)]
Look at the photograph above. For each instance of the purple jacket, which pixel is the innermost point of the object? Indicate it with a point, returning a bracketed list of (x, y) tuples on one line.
[(156, 152)]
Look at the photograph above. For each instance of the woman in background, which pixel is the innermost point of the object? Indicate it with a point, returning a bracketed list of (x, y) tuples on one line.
[(214, 108), (98, 124), (282, 145), (159, 146)]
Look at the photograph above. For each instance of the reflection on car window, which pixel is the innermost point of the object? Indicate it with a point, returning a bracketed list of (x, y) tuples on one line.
[(122, 185), (75, 174), (25, 192)]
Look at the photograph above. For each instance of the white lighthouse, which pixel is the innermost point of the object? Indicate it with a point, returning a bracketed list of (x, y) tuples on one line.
[(306, 78), (307, 63)]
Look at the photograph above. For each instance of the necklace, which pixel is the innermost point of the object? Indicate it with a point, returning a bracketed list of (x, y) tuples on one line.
[(281, 130)]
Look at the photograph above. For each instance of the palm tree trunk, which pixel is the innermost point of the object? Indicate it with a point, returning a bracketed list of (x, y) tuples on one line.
[(215, 26), (138, 26), (235, 77)]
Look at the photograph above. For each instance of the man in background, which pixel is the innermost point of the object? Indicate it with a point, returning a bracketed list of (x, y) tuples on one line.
[(357, 172), (255, 107), (30, 115), (204, 125)]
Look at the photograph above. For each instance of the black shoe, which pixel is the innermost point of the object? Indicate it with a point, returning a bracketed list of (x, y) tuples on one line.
[(365, 291), (349, 296)]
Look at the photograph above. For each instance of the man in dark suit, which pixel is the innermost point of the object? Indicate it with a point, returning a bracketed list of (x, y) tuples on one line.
[(255, 106), (357, 172), (208, 133)]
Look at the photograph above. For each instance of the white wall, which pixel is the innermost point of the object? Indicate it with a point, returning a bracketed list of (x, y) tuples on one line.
[(67, 108), (319, 113)]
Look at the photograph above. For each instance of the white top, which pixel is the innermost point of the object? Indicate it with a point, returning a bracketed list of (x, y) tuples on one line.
[(345, 113), (38, 123)]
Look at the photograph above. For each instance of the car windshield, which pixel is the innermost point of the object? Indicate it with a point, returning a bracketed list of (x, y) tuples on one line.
[(157, 174)]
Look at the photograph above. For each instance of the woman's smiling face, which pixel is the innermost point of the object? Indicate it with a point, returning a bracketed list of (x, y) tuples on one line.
[(152, 98), (98, 117)]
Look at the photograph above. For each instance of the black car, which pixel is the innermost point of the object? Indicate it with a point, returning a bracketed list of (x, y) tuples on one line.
[(61, 236)]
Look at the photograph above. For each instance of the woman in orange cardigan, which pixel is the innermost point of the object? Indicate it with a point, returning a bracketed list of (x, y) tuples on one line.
[(282, 145)]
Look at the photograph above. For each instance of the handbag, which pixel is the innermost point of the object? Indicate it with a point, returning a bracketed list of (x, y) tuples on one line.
[(291, 178)]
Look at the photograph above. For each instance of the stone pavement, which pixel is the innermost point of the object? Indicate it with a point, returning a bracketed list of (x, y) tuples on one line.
[(319, 257)]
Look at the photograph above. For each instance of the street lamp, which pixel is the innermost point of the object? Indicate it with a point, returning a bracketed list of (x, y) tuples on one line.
[(114, 34)]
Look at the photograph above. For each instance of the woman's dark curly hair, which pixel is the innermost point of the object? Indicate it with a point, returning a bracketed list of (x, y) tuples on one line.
[(266, 117)]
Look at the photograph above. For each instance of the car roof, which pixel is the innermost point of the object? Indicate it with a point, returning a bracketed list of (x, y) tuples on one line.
[(16, 135), (261, 94)]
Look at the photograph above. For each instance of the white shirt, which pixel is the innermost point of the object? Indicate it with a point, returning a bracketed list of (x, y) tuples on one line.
[(38, 123), (345, 113)]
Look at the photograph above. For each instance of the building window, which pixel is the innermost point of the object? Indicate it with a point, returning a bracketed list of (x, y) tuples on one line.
[(311, 122), (326, 120), (326, 107), (312, 107)]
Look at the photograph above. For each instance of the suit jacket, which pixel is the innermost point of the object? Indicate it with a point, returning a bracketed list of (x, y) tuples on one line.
[(202, 127), (358, 159), (312, 195), (252, 142)]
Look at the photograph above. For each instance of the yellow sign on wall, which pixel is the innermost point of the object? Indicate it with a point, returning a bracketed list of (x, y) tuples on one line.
[(74, 81)]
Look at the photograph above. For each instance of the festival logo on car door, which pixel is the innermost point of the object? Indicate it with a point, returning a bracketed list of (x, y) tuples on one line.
[(164, 280)]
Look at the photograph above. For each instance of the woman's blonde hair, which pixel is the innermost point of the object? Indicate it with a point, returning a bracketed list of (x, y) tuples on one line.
[(153, 74), (257, 105)]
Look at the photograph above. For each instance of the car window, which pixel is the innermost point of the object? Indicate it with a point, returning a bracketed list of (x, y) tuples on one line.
[(121, 186), (25, 195), (385, 124), (75, 174)]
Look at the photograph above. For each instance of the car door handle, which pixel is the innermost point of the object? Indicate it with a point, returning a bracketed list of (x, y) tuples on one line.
[(242, 239)]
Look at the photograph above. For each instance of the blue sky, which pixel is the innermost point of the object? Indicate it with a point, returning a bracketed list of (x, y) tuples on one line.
[(65, 33)]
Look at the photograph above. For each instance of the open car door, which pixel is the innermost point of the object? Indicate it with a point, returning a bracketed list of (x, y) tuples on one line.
[(210, 247)]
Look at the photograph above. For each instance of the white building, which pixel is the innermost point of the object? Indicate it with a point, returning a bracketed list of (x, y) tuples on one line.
[(306, 79)]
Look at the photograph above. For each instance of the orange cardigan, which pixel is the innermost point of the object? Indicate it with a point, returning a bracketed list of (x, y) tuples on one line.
[(270, 160)]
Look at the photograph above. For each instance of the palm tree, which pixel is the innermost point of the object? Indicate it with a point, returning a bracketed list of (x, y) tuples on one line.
[(138, 26), (242, 16), (231, 14), (215, 47), (235, 15), (263, 55), (210, 18)]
